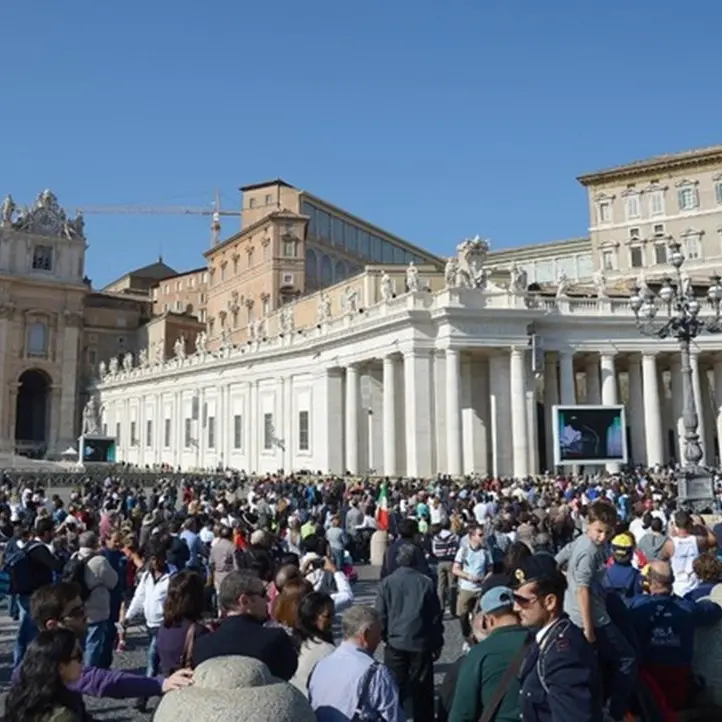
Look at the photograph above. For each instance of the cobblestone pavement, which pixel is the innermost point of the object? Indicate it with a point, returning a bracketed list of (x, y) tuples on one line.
[(133, 659)]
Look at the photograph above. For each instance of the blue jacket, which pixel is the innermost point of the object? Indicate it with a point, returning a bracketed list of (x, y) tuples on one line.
[(665, 627), (559, 679), (623, 579)]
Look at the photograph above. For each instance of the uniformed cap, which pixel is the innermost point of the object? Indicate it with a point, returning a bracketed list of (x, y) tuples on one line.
[(536, 568)]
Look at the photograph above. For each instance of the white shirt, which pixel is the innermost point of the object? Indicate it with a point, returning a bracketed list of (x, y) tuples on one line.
[(149, 599), (636, 527)]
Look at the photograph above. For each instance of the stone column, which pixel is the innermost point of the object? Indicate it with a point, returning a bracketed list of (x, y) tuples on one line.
[(652, 410), (418, 413), (500, 414), (453, 413), (699, 403), (567, 384), (519, 436), (352, 419), (331, 424), (675, 371), (551, 399), (475, 415), (389, 416), (591, 373), (610, 395), (68, 336), (718, 401), (636, 410)]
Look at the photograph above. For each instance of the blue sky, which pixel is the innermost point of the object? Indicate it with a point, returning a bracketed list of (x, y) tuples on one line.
[(434, 120)]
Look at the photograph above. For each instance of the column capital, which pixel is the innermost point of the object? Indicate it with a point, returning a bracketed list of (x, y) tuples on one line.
[(417, 353), (608, 353)]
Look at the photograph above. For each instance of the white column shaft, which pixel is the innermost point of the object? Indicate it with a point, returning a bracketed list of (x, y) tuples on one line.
[(520, 451), (635, 418), (609, 393), (453, 413), (567, 384), (652, 411), (551, 399), (591, 373), (352, 419), (389, 416)]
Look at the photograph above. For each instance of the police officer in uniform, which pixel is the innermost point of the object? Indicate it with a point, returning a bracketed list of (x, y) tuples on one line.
[(559, 678)]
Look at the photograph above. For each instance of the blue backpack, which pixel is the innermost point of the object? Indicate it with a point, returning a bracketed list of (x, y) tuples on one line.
[(19, 568)]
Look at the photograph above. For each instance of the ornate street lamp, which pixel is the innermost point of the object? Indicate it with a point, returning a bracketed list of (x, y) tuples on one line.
[(682, 321)]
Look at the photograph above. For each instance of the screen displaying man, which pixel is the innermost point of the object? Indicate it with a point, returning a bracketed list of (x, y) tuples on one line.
[(590, 434), (577, 439)]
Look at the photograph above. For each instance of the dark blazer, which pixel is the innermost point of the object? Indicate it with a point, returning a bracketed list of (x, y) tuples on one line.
[(245, 636)]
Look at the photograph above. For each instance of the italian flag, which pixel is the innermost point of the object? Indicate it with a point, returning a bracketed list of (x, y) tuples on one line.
[(382, 508)]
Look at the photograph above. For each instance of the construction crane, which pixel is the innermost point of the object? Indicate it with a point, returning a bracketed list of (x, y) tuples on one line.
[(214, 211)]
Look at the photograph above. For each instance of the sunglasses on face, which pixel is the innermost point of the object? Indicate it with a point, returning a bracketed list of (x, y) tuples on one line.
[(523, 601)]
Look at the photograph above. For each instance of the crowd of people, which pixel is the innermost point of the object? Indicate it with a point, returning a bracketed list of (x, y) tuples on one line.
[(577, 597)]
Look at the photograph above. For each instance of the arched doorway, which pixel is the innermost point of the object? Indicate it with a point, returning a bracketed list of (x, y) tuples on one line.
[(32, 415)]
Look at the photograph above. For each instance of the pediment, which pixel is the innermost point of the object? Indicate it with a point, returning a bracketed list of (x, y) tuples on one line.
[(603, 197), (686, 182)]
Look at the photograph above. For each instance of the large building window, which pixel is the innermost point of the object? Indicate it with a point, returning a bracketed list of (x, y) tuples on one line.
[(692, 245), (339, 271), (149, 433), (311, 267), (37, 339), (166, 433), (636, 255), (267, 431), (632, 206), (133, 436), (187, 437), (326, 271), (363, 244), (350, 238), (609, 260), (117, 433), (687, 197), (43, 258), (656, 203), (303, 438), (604, 212), (237, 431), (323, 225)]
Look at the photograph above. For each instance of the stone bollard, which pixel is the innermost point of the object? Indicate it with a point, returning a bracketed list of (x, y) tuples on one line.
[(379, 544), (224, 685)]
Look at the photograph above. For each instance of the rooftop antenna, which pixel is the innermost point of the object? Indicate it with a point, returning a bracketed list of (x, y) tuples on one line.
[(216, 220)]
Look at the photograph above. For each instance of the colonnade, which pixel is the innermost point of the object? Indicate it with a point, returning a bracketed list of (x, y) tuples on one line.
[(461, 411)]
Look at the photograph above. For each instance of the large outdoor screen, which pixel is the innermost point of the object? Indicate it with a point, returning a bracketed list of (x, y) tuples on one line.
[(98, 450), (589, 435)]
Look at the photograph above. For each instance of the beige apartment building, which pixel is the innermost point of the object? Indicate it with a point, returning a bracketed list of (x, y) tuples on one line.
[(635, 209)]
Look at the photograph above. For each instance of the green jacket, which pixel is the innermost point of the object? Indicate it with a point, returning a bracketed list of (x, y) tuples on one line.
[(481, 673)]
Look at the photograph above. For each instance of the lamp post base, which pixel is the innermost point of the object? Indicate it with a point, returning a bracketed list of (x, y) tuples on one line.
[(695, 489)]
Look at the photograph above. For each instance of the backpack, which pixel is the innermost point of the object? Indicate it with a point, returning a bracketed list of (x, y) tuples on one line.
[(74, 571), (19, 568)]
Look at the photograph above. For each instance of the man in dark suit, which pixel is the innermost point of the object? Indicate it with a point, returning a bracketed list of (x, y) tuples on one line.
[(559, 678), (244, 604)]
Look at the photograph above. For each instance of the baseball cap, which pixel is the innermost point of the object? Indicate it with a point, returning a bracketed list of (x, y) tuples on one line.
[(495, 599)]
